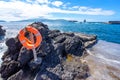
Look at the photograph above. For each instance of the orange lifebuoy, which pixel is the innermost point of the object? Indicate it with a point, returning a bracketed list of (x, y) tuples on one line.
[(28, 43)]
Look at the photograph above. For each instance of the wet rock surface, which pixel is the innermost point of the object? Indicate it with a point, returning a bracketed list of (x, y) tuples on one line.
[(18, 62), (2, 32)]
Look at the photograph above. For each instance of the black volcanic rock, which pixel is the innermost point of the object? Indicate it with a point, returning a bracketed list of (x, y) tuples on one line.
[(9, 68), (10, 43), (18, 62), (2, 32), (74, 45)]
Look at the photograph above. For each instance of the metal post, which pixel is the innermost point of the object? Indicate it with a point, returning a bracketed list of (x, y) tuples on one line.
[(34, 54), (36, 59)]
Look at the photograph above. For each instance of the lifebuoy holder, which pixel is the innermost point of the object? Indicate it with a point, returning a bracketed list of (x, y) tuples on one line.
[(27, 43)]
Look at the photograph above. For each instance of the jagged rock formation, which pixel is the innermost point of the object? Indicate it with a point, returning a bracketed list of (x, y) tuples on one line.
[(2, 32), (60, 53)]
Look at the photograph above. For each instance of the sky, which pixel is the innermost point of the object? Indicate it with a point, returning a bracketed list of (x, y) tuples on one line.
[(91, 10)]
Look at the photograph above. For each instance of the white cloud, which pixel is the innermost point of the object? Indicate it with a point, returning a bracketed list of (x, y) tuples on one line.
[(42, 1), (38, 1), (65, 6), (75, 7), (83, 8), (18, 10), (29, 0), (57, 3)]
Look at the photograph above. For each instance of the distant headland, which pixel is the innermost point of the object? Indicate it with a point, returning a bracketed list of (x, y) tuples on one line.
[(2, 21), (114, 22), (74, 21)]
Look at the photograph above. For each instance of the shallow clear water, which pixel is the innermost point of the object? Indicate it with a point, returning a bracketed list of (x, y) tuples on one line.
[(104, 61)]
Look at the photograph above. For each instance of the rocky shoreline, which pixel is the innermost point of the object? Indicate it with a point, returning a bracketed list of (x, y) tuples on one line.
[(61, 55)]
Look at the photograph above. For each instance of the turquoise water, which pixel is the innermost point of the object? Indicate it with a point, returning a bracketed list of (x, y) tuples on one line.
[(107, 32)]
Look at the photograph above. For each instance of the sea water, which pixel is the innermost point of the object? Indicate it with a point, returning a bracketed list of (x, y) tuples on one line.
[(108, 34)]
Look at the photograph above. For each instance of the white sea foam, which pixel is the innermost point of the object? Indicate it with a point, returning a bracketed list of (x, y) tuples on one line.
[(9, 33), (3, 48), (107, 51), (104, 61)]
